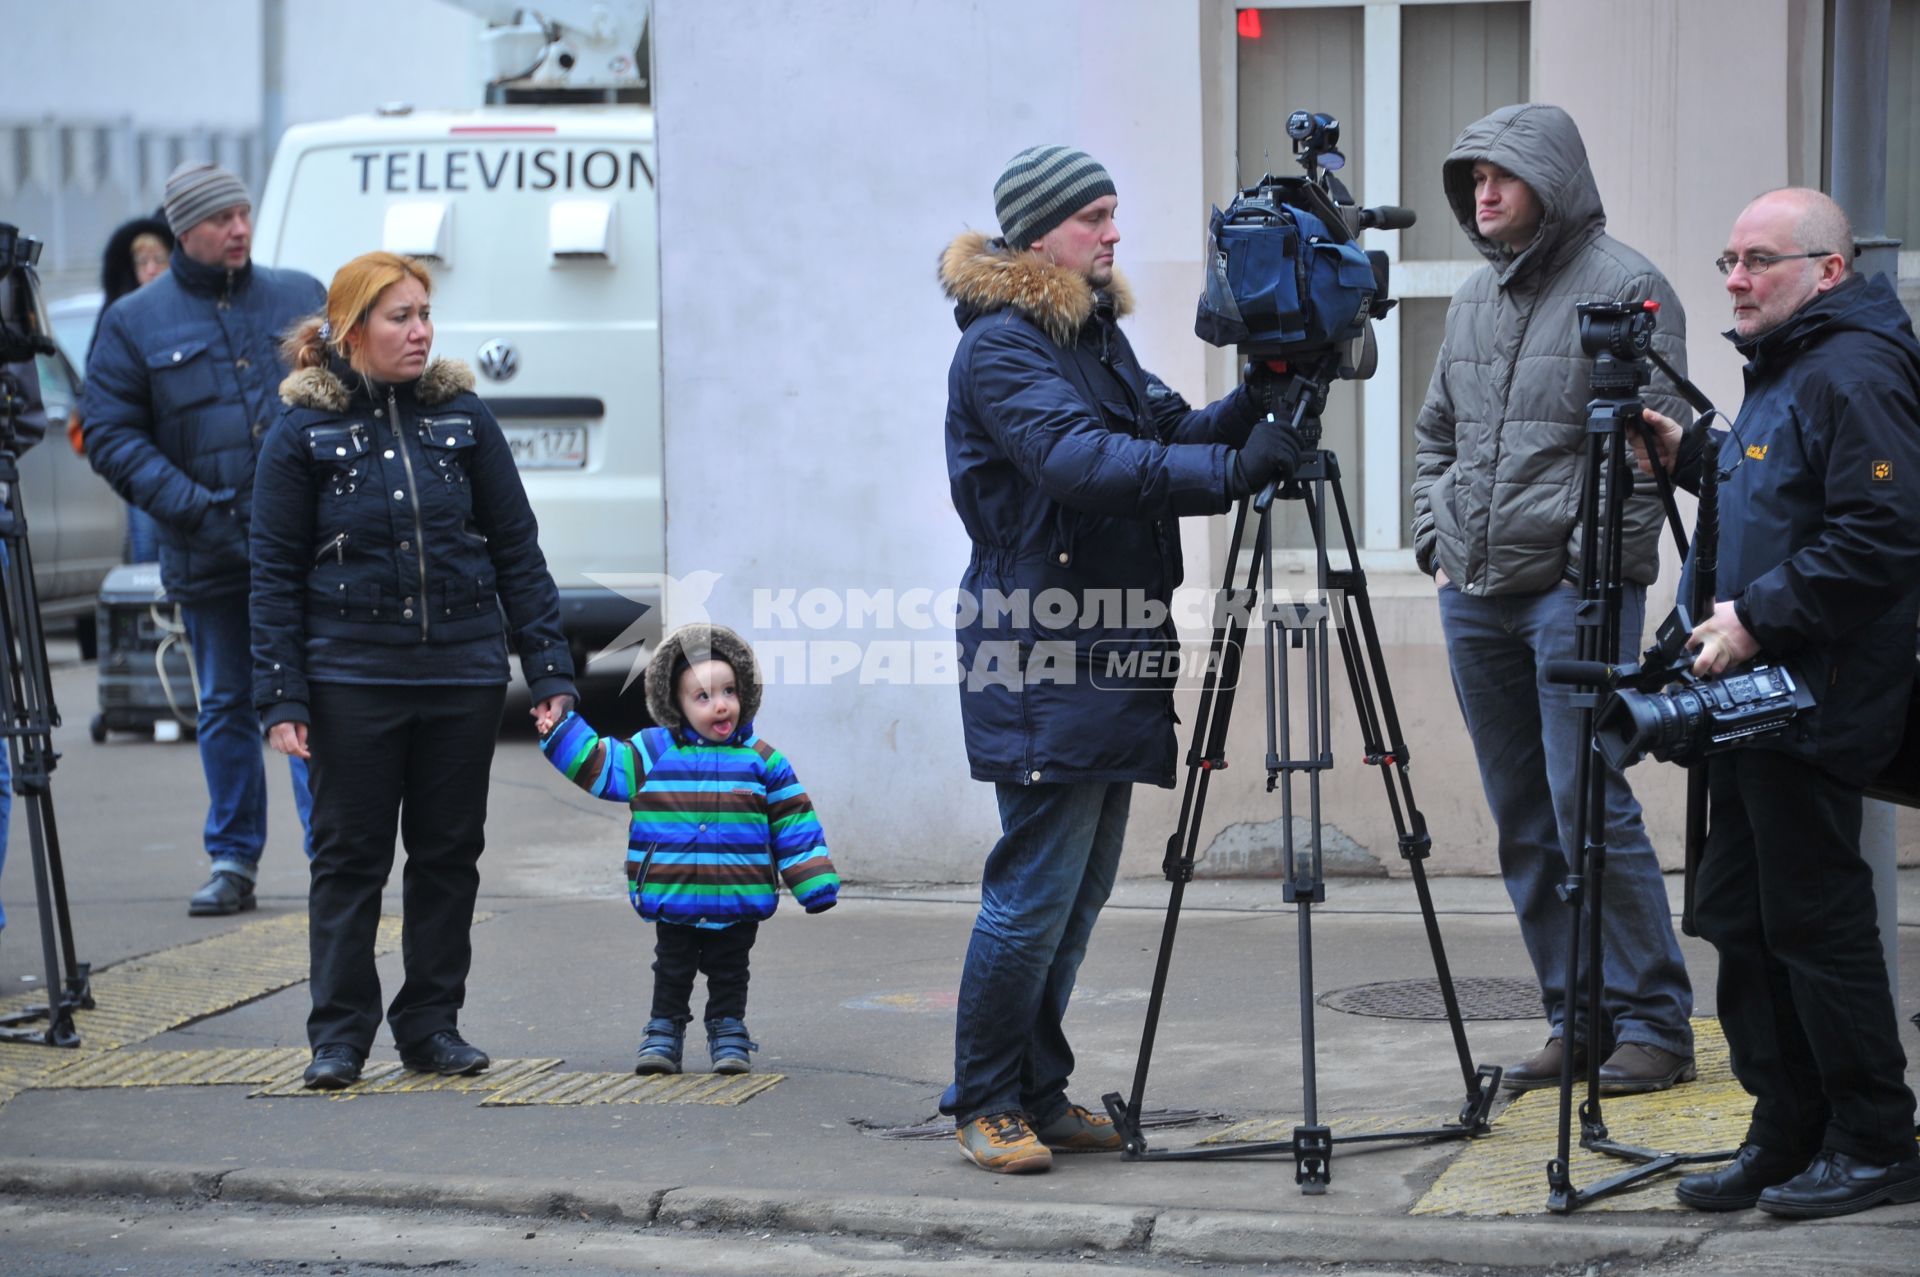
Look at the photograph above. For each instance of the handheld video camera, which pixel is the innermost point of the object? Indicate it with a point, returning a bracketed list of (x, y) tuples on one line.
[(1661, 707), (1285, 279)]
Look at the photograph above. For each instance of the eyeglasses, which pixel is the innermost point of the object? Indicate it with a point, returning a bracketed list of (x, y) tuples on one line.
[(1761, 263)]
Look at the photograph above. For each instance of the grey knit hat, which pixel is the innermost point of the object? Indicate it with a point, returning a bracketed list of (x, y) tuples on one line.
[(197, 190), (1042, 187)]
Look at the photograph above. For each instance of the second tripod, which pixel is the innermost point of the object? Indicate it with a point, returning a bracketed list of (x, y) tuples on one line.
[(1301, 626)]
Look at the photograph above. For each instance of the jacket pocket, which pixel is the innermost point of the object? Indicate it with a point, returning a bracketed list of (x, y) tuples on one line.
[(637, 871), (182, 377), (449, 442), (339, 455)]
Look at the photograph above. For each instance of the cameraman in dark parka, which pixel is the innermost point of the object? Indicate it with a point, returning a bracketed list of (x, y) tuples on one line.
[(1070, 466), (1819, 567)]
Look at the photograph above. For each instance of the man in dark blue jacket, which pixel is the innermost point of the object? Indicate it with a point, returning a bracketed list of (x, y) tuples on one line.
[(181, 385), (1070, 466), (1819, 569)]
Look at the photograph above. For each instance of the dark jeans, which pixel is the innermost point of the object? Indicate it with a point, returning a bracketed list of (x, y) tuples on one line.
[(679, 952), (1785, 898), (1526, 738), (231, 749), (416, 758), (1040, 894)]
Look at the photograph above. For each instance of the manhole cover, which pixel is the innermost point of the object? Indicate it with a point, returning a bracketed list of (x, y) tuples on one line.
[(1481, 998)]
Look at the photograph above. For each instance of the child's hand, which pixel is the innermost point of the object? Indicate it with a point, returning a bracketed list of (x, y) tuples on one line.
[(548, 713)]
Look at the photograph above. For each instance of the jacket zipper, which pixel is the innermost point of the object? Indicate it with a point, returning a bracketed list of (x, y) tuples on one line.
[(336, 547), (413, 496)]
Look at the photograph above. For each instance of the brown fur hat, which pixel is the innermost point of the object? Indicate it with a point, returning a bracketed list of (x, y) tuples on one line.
[(689, 645), (989, 275), (322, 388)]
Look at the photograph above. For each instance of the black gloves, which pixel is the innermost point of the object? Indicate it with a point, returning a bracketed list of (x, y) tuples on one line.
[(1270, 453)]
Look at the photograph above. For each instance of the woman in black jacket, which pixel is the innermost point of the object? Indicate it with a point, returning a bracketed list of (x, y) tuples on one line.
[(394, 556)]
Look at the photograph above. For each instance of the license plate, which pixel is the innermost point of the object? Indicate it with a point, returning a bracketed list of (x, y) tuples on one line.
[(548, 447)]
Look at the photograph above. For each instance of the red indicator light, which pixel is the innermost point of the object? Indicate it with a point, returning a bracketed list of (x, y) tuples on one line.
[(1249, 24)]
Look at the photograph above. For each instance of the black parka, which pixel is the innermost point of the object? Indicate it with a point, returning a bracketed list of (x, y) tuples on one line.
[(1820, 516), (393, 516)]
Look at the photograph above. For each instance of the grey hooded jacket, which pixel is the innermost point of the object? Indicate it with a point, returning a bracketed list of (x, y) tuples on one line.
[(1500, 444)]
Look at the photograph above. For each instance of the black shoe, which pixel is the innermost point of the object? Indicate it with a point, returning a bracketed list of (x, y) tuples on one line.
[(1737, 1185), (1542, 1068), (224, 893), (445, 1052), (1636, 1068), (1838, 1184), (333, 1067)]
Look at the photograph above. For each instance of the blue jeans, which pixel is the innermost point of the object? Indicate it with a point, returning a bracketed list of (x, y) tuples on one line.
[(231, 749), (1040, 893), (1526, 738), (143, 537)]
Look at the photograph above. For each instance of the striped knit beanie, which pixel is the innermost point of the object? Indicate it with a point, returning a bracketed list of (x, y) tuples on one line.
[(1042, 187), (197, 190)]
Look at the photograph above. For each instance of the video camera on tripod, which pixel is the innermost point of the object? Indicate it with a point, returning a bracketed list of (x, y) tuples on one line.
[(1286, 283), (24, 333), (1288, 286), (27, 711)]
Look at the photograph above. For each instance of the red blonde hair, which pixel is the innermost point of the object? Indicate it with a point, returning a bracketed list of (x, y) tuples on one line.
[(351, 298)]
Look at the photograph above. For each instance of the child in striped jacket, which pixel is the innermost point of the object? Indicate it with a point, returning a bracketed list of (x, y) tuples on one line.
[(719, 820)]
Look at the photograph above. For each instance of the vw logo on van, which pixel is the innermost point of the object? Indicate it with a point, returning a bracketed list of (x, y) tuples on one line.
[(499, 360)]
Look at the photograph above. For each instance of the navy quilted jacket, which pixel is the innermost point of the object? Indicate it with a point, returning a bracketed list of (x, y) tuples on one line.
[(181, 387), (1069, 465)]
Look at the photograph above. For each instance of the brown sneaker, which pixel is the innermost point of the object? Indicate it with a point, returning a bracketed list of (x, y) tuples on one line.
[(1542, 1068), (1636, 1068), (1078, 1131), (1003, 1142)]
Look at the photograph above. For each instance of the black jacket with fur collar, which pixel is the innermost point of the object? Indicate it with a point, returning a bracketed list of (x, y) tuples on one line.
[(1069, 465), (393, 516)]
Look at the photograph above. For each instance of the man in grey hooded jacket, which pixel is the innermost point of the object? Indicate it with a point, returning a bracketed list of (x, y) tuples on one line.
[(1499, 463)]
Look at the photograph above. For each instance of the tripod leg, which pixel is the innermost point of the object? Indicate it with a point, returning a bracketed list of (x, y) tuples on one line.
[(1385, 747), (1210, 728)]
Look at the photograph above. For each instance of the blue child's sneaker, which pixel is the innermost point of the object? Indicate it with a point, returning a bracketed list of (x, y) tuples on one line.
[(728, 1044), (660, 1049)]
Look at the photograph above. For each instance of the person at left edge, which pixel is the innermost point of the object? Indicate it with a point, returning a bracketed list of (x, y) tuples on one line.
[(179, 393), (1070, 466), (394, 556)]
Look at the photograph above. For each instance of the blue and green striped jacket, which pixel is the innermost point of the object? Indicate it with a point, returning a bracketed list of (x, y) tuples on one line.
[(715, 827)]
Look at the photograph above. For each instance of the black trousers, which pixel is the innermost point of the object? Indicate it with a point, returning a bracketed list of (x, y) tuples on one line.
[(1785, 898), (679, 952), (411, 759)]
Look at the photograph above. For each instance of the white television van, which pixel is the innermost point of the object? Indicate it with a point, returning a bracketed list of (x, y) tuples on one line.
[(538, 225)]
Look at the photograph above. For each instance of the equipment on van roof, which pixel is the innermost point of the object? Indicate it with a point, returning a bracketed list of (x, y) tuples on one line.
[(564, 50)]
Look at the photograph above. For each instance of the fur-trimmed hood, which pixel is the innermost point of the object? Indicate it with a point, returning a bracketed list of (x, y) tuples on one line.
[(700, 641), (326, 388), (982, 274)]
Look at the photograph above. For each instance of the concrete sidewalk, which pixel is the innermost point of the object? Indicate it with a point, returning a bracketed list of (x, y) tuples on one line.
[(853, 1010)]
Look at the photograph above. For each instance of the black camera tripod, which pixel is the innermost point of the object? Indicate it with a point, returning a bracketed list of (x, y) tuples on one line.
[(27, 719), (1298, 398), (1621, 344)]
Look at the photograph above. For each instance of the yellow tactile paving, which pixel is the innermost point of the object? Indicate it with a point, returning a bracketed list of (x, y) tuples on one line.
[(626, 1088), (90, 1069), (144, 997), (1261, 1130), (1505, 1171), (386, 1077)]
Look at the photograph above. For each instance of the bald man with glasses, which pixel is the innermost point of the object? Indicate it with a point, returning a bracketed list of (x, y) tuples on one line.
[(1819, 569)]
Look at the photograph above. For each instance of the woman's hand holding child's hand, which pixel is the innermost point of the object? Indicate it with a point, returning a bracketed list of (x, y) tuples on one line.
[(548, 713)]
